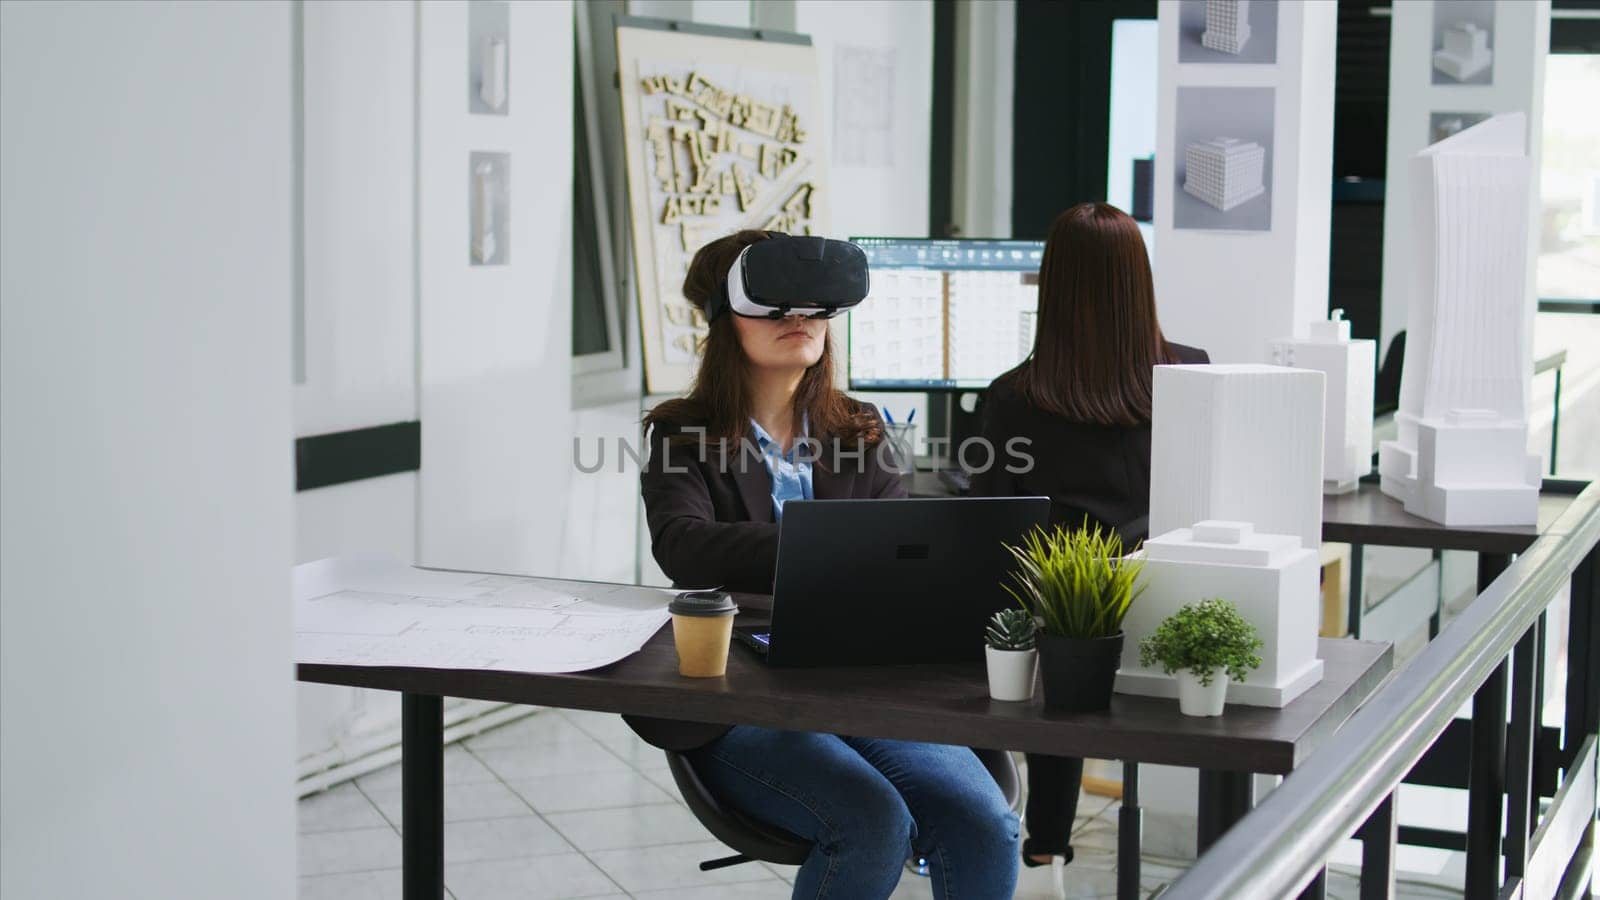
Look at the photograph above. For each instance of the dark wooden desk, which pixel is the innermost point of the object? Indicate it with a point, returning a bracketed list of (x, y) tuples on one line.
[(1369, 516), (945, 704)]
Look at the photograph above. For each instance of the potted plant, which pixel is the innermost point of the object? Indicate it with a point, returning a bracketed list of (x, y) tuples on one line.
[(1079, 586), (1203, 645), (1012, 657)]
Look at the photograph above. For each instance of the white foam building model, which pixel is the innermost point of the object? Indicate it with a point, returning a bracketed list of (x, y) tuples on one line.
[(1270, 578), (1465, 52), (1349, 366), (1460, 455), (1236, 512), (1227, 25), (1224, 172)]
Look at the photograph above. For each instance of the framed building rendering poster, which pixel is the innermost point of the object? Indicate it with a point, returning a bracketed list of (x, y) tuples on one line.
[(723, 133)]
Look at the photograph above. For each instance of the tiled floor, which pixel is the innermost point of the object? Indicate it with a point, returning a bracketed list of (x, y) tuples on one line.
[(566, 804)]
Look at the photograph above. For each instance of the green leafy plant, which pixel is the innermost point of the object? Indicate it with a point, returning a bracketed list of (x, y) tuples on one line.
[(1203, 637), (1011, 629), (1077, 582)]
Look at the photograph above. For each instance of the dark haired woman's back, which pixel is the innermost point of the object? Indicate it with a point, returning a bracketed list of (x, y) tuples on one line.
[(1085, 468)]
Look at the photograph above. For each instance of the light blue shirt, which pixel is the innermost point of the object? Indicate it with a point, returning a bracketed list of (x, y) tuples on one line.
[(790, 472)]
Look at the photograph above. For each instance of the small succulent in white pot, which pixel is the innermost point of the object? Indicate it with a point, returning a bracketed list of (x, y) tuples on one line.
[(1012, 654)]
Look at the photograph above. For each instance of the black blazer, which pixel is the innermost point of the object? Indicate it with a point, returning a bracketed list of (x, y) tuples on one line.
[(711, 524), (1099, 471)]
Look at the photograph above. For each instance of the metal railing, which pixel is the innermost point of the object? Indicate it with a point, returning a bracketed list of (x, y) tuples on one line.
[(1280, 847)]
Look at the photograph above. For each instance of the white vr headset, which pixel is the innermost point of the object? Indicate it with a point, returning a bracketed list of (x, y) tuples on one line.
[(793, 276)]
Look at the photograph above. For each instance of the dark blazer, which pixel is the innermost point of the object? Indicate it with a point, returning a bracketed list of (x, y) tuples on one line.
[(709, 510), (1099, 471)]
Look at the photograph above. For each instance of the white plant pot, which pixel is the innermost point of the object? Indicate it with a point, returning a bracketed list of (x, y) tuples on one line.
[(1012, 673), (1195, 699)]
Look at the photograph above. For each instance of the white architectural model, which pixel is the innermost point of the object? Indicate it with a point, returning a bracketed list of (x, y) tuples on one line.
[(1241, 443), (1227, 25), (1348, 365), (1460, 456), (1271, 578), (1465, 52), (483, 225), (1224, 172), (492, 80), (1235, 512)]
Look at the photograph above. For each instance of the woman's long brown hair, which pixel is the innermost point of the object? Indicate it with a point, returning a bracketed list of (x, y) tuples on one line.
[(1097, 337), (720, 399)]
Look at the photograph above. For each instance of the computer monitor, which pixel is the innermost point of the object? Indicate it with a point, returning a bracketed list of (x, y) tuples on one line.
[(943, 314)]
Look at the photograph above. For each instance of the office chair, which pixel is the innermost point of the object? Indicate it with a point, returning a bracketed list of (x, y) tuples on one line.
[(755, 841), (1386, 390)]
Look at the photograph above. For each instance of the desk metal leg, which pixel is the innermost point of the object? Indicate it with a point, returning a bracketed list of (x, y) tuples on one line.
[(1555, 424), (1378, 837), (1225, 797), (1486, 787), (422, 795), (1129, 831), (1318, 888), (1358, 602), (1519, 753), (1583, 658)]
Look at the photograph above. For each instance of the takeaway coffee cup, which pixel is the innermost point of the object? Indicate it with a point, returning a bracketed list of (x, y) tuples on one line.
[(702, 625)]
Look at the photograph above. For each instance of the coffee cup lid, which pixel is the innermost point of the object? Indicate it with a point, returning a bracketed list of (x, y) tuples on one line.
[(703, 603)]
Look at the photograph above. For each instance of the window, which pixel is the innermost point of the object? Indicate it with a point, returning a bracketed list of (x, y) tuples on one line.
[(1567, 328), (604, 327), (1569, 182)]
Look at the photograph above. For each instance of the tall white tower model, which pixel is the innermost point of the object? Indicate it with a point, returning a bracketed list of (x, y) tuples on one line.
[(1236, 512), (1227, 25), (1461, 454), (1348, 365), (1224, 171), (1465, 52)]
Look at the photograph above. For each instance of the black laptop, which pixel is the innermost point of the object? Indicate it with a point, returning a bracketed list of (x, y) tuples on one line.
[(885, 582)]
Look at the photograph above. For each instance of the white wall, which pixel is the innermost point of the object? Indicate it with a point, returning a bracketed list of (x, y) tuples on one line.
[(986, 38), (359, 231), (146, 720), (360, 224), (1227, 291), (495, 341), (888, 199), (1521, 42)]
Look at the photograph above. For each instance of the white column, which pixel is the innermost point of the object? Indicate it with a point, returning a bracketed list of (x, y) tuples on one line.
[(1223, 288), (146, 692), (1424, 99), (495, 368)]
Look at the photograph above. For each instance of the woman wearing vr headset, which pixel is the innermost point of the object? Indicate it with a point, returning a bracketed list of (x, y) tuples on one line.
[(1082, 397), (764, 424)]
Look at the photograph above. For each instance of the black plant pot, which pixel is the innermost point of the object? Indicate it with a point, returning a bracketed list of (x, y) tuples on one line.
[(1078, 674)]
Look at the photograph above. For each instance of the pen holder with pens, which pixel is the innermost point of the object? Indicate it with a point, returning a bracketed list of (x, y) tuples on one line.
[(902, 439)]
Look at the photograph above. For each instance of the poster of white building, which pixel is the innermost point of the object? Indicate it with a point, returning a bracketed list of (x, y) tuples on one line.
[(1228, 31), (1223, 149), (1463, 42)]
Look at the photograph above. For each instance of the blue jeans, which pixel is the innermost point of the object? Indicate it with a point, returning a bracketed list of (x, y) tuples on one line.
[(866, 804)]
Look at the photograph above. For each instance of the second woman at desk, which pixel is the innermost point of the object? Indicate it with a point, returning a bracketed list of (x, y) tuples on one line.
[(865, 803), (1082, 399)]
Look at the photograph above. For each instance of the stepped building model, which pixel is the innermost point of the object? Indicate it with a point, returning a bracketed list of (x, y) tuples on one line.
[(1348, 365), (1227, 25), (1465, 52), (1270, 578), (1461, 456), (1224, 172), (1235, 512)]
